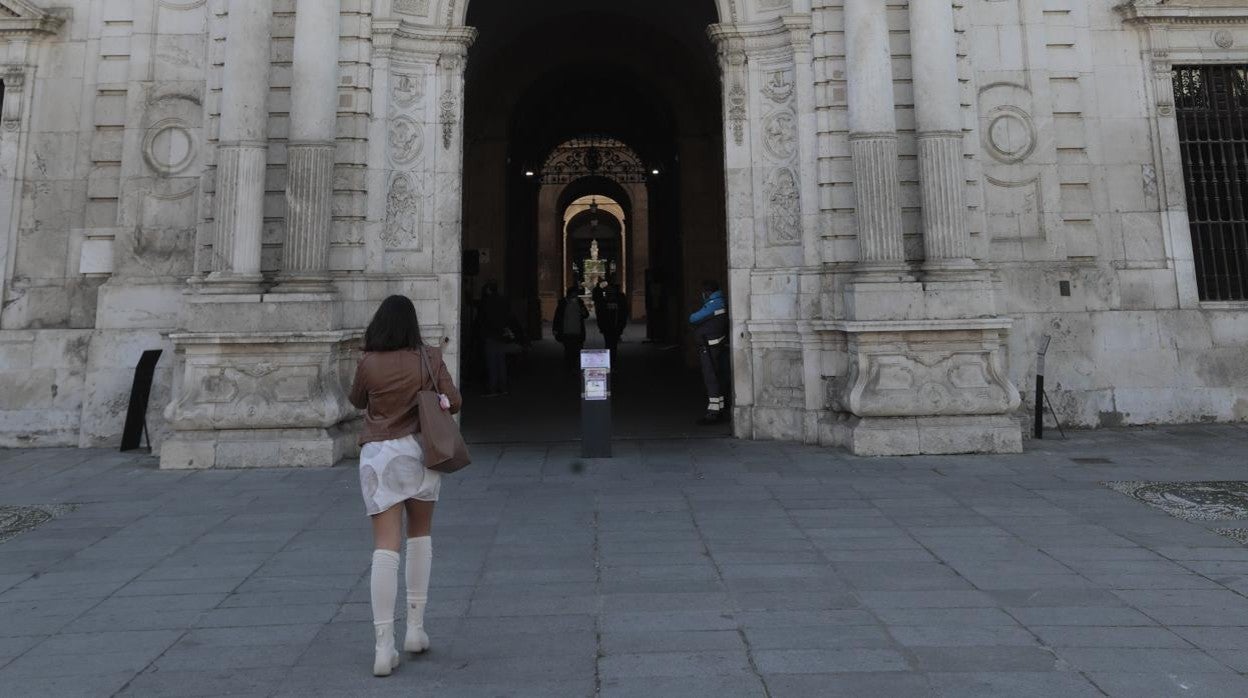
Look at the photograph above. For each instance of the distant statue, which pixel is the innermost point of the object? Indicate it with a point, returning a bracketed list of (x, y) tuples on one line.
[(594, 268)]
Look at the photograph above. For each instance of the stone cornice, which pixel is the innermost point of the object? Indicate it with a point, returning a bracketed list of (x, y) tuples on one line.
[(1183, 12), (789, 32), (400, 35), (19, 18), (886, 326)]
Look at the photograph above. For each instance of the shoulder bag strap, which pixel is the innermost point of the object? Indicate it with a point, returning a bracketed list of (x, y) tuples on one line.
[(433, 381)]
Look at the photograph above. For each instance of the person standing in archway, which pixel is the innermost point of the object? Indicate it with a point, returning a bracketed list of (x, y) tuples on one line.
[(710, 328), (569, 326), (495, 323), (610, 307)]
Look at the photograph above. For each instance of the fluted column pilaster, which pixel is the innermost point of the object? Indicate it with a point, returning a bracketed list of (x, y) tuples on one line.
[(938, 115), (313, 130), (873, 139), (243, 149)]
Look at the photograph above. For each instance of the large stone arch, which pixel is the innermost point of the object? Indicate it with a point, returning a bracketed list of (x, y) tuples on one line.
[(766, 232), (454, 13)]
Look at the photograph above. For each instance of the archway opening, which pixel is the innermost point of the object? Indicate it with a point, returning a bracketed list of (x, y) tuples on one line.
[(593, 148)]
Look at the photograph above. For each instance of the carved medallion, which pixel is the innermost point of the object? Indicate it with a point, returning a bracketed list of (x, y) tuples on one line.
[(1011, 135), (401, 231), (406, 140), (780, 135), (406, 89), (1223, 38), (169, 147), (784, 215), (780, 87)]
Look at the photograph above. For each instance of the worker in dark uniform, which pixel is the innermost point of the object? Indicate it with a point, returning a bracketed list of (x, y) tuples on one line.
[(710, 329)]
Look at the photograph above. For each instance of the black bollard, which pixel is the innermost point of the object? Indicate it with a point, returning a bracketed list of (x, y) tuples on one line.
[(1044, 349)]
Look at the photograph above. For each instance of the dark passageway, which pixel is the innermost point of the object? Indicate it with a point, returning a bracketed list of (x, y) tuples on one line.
[(620, 105)]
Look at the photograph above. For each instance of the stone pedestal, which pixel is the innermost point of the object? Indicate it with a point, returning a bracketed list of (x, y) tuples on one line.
[(262, 381), (925, 386)]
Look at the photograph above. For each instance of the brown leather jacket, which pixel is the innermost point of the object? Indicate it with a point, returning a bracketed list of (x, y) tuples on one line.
[(385, 386)]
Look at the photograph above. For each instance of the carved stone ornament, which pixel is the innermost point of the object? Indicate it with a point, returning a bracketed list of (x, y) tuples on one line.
[(406, 140), (22, 18), (419, 8), (736, 113), (1223, 38), (734, 73), (402, 228), (169, 146), (247, 395), (784, 215), (928, 383), (14, 84), (781, 382), (449, 118), (780, 135), (406, 88), (281, 382), (1011, 135), (780, 87)]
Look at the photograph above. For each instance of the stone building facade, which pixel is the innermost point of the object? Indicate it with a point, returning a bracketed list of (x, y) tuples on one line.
[(914, 193)]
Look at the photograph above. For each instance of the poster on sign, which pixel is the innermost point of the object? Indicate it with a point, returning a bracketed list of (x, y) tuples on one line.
[(596, 358), (596, 384)]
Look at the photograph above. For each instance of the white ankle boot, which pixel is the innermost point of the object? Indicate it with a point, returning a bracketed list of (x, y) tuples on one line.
[(416, 640), (387, 657)]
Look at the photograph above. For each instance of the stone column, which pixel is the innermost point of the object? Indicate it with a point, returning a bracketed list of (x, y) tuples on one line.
[(313, 132), (242, 152), (873, 139), (938, 112)]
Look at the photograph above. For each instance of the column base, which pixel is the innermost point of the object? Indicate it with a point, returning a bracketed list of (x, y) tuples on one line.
[(882, 273), (910, 436), (951, 296), (884, 299), (225, 283), (953, 270), (272, 312), (258, 448), (320, 284)]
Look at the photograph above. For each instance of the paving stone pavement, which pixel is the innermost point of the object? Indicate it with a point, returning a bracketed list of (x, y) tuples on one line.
[(680, 568)]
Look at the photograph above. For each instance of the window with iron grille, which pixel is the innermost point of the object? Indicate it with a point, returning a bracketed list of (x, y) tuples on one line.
[(1211, 103)]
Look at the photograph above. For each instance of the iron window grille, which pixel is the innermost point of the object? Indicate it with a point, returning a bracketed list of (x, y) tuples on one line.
[(1211, 103)]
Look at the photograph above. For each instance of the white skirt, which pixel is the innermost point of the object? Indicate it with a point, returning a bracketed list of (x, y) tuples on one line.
[(392, 472)]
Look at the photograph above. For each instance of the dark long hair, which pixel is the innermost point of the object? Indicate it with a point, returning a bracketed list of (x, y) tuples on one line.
[(394, 327)]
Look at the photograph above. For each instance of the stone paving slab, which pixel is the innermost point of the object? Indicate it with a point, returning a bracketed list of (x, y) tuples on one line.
[(680, 568)]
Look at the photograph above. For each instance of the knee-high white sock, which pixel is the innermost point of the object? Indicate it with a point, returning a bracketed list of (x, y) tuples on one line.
[(384, 585), (419, 563)]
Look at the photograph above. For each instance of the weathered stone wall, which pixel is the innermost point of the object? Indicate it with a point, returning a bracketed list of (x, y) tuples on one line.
[(1073, 187), (1082, 187)]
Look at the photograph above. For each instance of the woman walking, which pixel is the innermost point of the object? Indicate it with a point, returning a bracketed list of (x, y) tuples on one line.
[(393, 477)]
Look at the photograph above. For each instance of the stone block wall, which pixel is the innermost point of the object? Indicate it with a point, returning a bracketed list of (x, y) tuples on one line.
[(107, 179)]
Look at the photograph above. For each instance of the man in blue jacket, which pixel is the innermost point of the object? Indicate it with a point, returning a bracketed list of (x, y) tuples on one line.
[(710, 328)]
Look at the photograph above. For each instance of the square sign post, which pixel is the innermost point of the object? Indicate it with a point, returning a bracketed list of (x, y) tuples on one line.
[(595, 403)]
